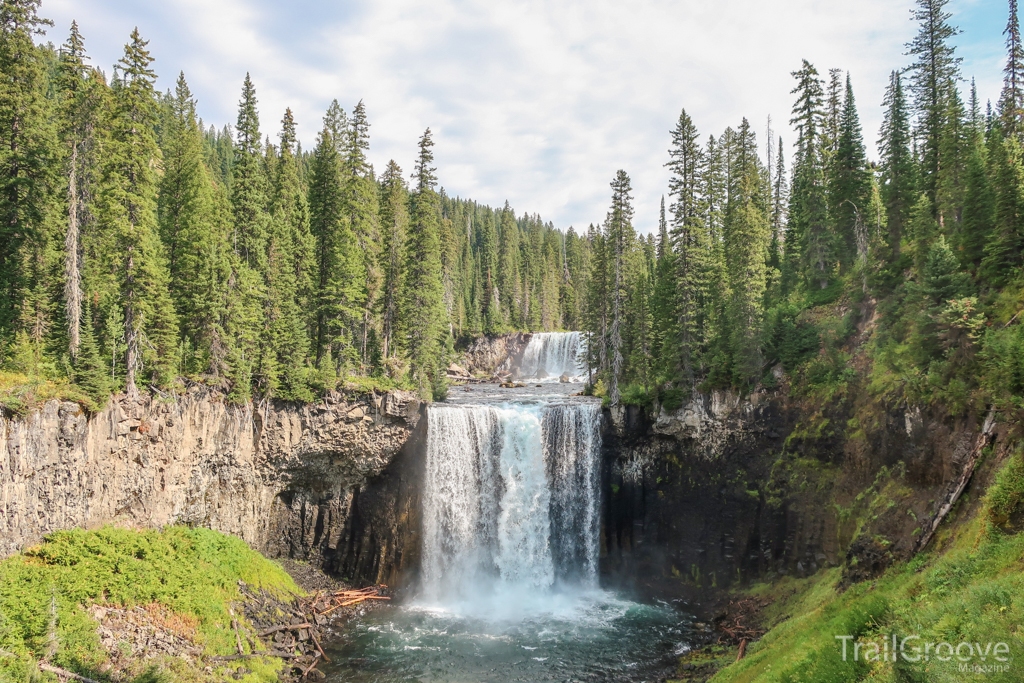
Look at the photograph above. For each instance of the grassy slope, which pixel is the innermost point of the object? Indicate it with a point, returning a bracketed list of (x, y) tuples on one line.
[(972, 591), (193, 572)]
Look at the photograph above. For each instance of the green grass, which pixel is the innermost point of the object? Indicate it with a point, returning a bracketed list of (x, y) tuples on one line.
[(192, 572), (973, 591)]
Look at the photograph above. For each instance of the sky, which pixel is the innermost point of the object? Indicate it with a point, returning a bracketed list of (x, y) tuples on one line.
[(536, 102)]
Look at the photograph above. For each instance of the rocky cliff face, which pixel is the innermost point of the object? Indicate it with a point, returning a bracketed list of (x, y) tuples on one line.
[(302, 481), (496, 354), (728, 489)]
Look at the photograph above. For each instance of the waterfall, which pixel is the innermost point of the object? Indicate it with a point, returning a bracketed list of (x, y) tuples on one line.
[(510, 499), (549, 355)]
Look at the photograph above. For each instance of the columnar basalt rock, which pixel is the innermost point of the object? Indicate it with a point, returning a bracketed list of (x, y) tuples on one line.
[(731, 488), (258, 471)]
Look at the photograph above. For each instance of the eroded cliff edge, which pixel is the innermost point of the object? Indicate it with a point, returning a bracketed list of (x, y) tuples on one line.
[(333, 482)]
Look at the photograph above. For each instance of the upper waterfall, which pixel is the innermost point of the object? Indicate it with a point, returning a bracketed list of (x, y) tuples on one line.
[(550, 355)]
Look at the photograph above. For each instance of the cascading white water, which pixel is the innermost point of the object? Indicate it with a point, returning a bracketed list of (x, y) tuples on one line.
[(510, 500), (510, 552), (549, 355)]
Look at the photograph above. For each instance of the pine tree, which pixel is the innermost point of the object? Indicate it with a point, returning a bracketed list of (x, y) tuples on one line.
[(979, 205), (1003, 248), (639, 313), (28, 150), (194, 237), (249, 186), (423, 315), (362, 207), (663, 302), (953, 148), (897, 164), (747, 238), (487, 249), (598, 302), (619, 236), (780, 197), (509, 262), (127, 209), (394, 222), (285, 344), (811, 244), (934, 72), (90, 368), (80, 95), (341, 277), (691, 246), (833, 115), (1011, 102), (850, 186)]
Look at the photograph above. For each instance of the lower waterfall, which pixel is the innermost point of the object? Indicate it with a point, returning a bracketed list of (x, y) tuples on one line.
[(510, 499), (508, 584)]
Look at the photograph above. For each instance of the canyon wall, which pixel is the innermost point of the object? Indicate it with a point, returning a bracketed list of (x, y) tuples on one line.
[(727, 489), (331, 482)]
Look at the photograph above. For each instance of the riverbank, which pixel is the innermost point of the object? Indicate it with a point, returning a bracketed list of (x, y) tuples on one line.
[(192, 605), (965, 589)]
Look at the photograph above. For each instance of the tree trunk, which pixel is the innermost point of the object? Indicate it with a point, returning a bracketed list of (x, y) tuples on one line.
[(72, 260)]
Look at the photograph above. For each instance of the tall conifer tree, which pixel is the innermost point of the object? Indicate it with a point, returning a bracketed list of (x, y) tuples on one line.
[(1011, 102), (898, 170), (194, 237), (619, 238), (394, 222), (850, 186), (808, 236), (424, 318), (691, 245), (339, 264), (127, 208), (935, 70), (28, 150), (249, 185)]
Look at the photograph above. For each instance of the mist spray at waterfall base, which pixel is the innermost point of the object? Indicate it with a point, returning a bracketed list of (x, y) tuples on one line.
[(511, 524)]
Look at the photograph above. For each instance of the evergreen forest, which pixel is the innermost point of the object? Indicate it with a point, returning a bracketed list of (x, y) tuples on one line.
[(143, 249)]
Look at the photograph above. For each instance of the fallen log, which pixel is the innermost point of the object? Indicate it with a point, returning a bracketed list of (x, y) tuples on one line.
[(64, 672), (284, 627), (312, 665), (316, 641), (960, 483), (272, 653)]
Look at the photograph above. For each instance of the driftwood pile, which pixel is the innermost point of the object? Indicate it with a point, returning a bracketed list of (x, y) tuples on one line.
[(738, 624), (323, 603), (293, 630)]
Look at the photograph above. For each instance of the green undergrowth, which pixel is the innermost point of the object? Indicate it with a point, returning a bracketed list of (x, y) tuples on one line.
[(973, 591), (20, 393), (191, 575)]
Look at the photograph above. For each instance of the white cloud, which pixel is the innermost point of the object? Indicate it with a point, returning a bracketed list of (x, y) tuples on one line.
[(531, 101)]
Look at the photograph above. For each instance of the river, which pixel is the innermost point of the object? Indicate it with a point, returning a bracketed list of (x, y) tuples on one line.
[(509, 587)]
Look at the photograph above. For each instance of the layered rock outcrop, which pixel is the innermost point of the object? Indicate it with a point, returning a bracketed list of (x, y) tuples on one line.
[(291, 480)]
